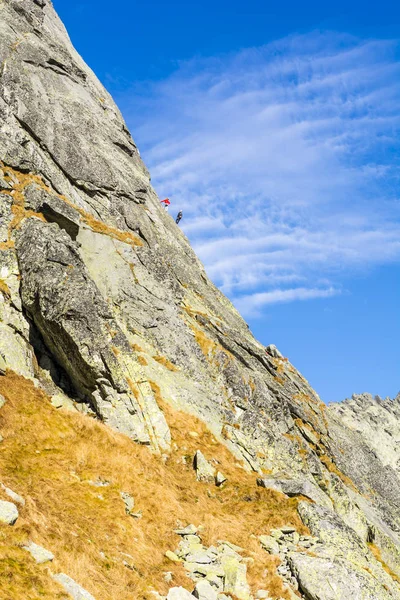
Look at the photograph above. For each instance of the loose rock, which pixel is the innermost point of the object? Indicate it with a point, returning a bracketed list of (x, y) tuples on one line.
[(204, 470), (220, 479), (71, 587), (8, 512), (205, 591), (179, 593), (40, 554), (13, 495), (129, 502)]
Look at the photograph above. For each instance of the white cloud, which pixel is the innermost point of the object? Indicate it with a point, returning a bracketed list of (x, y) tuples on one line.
[(252, 304), (284, 160)]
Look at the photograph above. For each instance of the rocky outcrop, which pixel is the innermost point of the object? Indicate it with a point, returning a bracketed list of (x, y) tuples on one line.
[(103, 302), (8, 512)]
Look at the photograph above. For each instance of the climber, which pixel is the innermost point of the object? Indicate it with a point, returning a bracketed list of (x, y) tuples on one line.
[(166, 203), (179, 217)]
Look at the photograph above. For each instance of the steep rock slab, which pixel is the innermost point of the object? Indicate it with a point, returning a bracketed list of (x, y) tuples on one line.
[(325, 579), (78, 328), (342, 545), (58, 121), (377, 421)]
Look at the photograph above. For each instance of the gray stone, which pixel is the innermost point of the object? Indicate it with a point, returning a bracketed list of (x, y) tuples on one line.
[(220, 478), (129, 502), (13, 495), (327, 579), (297, 487), (3, 365), (3, 184), (204, 470), (273, 351), (269, 544), (188, 530), (62, 401), (262, 595), (179, 593), (8, 512), (41, 555), (205, 591), (199, 557), (2, 401), (287, 529), (235, 578), (172, 556), (72, 588)]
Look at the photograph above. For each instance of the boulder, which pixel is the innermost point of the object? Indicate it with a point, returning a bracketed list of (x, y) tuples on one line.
[(235, 578), (188, 530), (297, 487), (172, 556), (328, 579), (41, 555), (72, 588), (8, 512), (179, 593), (204, 470), (269, 544), (205, 591), (219, 478)]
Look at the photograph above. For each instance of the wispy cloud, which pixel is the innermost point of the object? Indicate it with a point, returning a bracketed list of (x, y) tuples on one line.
[(284, 160)]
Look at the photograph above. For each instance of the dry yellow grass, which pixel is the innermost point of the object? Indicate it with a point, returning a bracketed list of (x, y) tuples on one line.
[(4, 289), (166, 363), (48, 456), (377, 554)]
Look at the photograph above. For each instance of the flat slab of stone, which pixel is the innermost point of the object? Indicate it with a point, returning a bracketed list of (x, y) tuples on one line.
[(40, 554), (188, 530), (13, 495), (72, 588), (8, 512), (179, 593), (297, 487)]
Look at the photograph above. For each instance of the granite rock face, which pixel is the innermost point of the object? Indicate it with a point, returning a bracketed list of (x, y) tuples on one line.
[(102, 299)]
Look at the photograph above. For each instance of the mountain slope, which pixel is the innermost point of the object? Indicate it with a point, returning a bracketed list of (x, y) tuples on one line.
[(107, 308)]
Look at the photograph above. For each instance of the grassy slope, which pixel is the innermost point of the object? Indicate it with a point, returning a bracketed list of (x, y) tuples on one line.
[(48, 457)]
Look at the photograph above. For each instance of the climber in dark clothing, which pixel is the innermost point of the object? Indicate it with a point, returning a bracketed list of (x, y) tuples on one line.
[(179, 217)]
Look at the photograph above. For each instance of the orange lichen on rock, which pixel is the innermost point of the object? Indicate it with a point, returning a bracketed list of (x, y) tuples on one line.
[(20, 181), (377, 554), (165, 362)]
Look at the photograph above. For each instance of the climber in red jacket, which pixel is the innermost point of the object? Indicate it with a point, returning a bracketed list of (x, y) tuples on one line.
[(165, 203)]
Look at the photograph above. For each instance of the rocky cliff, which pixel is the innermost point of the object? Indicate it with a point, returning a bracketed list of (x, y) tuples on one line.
[(108, 312)]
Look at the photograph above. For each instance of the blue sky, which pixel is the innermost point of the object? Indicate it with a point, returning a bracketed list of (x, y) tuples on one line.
[(275, 128)]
